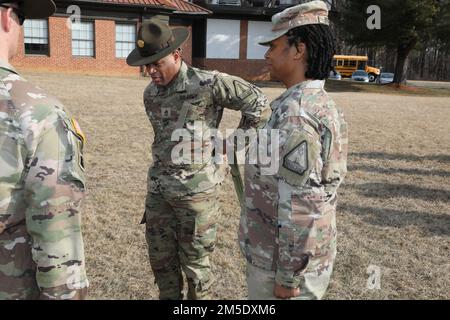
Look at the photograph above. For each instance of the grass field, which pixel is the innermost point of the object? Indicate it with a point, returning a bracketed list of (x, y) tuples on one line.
[(394, 209)]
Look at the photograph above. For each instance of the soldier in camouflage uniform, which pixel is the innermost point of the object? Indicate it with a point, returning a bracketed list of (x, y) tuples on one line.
[(181, 209), (288, 228), (41, 179)]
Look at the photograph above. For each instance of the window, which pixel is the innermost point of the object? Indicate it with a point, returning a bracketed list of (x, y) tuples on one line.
[(350, 63), (125, 39), (36, 36), (256, 31), (83, 39), (222, 39)]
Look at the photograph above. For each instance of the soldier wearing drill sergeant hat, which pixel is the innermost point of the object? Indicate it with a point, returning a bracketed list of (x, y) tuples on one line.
[(42, 179), (288, 228), (181, 208)]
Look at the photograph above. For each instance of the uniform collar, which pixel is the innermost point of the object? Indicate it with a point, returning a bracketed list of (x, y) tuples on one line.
[(308, 84), (177, 85), (5, 65)]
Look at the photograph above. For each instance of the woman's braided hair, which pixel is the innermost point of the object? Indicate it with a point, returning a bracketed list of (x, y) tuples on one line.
[(320, 45)]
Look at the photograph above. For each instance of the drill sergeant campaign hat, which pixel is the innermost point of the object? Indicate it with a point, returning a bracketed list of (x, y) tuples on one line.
[(155, 40), (32, 9), (314, 12)]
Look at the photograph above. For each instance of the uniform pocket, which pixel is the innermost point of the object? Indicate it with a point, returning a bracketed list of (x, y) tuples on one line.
[(196, 110), (314, 220), (295, 247), (207, 213)]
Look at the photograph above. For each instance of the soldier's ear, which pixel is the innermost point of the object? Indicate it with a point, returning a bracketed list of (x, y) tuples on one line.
[(5, 21), (301, 52), (177, 55)]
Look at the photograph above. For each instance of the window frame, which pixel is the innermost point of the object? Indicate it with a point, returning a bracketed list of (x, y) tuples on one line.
[(214, 47), (123, 23), (47, 53), (94, 48)]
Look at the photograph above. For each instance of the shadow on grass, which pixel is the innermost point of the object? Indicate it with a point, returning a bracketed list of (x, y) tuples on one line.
[(432, 224), (421, 172), (399, 156), (388, 191)]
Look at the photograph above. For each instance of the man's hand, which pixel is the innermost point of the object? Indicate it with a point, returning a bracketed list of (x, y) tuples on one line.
[(285, 293)]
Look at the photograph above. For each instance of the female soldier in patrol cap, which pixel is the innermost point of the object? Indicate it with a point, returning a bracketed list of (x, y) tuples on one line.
[(288, 228)]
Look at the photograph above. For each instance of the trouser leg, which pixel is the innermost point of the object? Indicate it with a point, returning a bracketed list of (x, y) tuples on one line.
[(163, 247), (197, 217)]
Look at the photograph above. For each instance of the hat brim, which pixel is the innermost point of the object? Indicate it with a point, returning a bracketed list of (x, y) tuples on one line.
[(267, 39), (135, 59), (38, 9)]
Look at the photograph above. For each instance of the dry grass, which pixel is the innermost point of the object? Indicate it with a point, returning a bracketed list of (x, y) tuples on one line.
[(393, 213)]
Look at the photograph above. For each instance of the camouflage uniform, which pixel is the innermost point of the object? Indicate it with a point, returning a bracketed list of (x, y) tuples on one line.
[(288, 228), (41, 187), (181, 206)]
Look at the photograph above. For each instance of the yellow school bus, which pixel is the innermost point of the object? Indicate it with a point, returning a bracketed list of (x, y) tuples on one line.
[(346, 65)]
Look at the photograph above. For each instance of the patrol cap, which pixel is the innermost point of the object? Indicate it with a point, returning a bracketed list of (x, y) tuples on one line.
[(314, 12), (34, 9), (155, 40)]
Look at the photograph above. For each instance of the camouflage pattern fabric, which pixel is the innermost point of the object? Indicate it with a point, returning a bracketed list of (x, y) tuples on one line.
[(195, 95), (289, 224), (260, 284), (42, 184), (189, 225)]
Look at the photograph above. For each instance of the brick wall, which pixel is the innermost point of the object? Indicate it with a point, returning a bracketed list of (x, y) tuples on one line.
[(61, 60)]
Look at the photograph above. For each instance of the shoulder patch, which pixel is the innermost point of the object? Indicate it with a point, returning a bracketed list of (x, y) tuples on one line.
[(80, 142), (243, 90), (78, 130), (297, 159)]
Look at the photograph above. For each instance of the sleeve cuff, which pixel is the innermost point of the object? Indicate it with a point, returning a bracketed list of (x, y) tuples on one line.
[(287, 279)]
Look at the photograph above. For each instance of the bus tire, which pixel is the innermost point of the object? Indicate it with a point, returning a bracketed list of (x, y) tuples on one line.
[(372, 77)]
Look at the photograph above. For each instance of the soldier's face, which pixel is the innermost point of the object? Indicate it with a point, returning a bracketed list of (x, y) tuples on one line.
[(164, 70), (281, 58)]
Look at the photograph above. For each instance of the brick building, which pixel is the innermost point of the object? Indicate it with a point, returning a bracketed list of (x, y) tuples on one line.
[(227, 40), (224, 35), (101, 37)]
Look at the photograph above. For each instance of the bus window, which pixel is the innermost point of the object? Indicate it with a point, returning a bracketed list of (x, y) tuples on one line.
[(361, 65)]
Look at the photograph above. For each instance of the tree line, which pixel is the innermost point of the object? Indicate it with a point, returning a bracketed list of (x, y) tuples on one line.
[(413, 39)]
